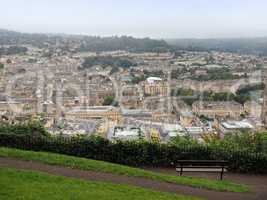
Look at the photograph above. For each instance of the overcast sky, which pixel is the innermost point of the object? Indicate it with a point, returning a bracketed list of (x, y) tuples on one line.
[(139, 18)]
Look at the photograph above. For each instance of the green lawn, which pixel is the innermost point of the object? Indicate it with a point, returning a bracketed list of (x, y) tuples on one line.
[(100, 166), (21, 184)]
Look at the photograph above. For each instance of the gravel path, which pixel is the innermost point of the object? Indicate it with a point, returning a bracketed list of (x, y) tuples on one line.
[(135, 181)]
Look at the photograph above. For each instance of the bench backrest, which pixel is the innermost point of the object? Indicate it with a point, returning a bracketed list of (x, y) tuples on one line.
[(202, 162)]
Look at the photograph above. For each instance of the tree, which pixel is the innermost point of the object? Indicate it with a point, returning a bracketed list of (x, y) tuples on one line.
[(186, 140), (114, 70), (1, 66), (108, 101), (105, 61)]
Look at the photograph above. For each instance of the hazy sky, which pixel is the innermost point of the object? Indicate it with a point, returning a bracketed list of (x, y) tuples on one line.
[(139, 18)]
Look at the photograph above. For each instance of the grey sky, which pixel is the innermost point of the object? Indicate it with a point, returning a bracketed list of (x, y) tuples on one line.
[(139, 18)]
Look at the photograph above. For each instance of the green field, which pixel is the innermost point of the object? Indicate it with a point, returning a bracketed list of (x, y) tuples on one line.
[(21, 184), (100, 166)]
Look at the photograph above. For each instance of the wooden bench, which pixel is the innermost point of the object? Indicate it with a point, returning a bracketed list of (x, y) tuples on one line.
[(218, 166)]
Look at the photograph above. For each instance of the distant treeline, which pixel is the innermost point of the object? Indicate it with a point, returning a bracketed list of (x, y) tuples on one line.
[(123, 43), (218, 74), (105, 61), (94, 43), (256, 46), (85, 43), (242, 95)]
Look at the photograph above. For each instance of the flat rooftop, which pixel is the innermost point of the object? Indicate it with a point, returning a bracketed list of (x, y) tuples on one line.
[(93, 109)]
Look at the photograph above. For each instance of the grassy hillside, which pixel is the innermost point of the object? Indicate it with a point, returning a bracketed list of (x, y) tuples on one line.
[(100, 166), (20, 184)]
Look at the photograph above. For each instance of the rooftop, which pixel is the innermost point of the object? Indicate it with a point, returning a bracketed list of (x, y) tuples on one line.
[(93, 109), (237, 125)]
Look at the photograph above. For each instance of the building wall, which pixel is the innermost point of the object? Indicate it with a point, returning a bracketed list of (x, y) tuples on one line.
[(155, 89), (113, 115), (227, 109)]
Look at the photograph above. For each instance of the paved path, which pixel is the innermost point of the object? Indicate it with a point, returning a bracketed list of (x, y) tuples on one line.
[(141, 182)]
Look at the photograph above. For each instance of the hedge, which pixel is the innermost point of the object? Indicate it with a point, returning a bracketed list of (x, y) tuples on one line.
[(137, 153)]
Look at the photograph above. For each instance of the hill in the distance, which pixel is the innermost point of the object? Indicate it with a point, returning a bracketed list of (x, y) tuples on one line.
[(84, 43), (256, 46)]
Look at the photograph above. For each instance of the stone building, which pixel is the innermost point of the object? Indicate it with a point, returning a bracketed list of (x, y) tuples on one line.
[(155, 86), (94, 112), (253, 109), (212, 109)]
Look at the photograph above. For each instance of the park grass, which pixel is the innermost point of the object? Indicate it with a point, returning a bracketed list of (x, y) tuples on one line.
[(101, 166), (30, 185)]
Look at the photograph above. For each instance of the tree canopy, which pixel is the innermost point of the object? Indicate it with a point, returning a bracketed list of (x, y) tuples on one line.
[(105, 61)]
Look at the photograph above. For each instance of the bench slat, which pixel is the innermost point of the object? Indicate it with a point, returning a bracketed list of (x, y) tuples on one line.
[(189, 169), (205, 161), (202, 162), (199, 166), (202, 166)]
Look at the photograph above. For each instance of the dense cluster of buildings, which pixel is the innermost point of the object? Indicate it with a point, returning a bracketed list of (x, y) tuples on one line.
[(74, 101)]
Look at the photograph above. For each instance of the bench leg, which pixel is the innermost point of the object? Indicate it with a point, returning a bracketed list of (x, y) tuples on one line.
[(181, 171), (221, 177)]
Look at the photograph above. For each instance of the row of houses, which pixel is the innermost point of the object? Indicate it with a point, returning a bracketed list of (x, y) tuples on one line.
[(226, 109)]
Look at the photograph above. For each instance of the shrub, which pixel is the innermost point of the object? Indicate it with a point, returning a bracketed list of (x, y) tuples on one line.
[(138, 153), (32, 127)]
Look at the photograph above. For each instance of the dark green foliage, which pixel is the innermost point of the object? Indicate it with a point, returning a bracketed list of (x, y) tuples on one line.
[(155, 73), (1, 66), (138, 79), (262, 141), (243, 94), (183, 92), (217, 74), (109, 100), (246, 152), (190, 96), (186, 140), (244, 45), (242, 98), (12, 50), (88, 43), (34, 128), (105, 61), (222, 73), (140, 153), (114, 70), (123, 43), (245, 90), (175, 74)]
